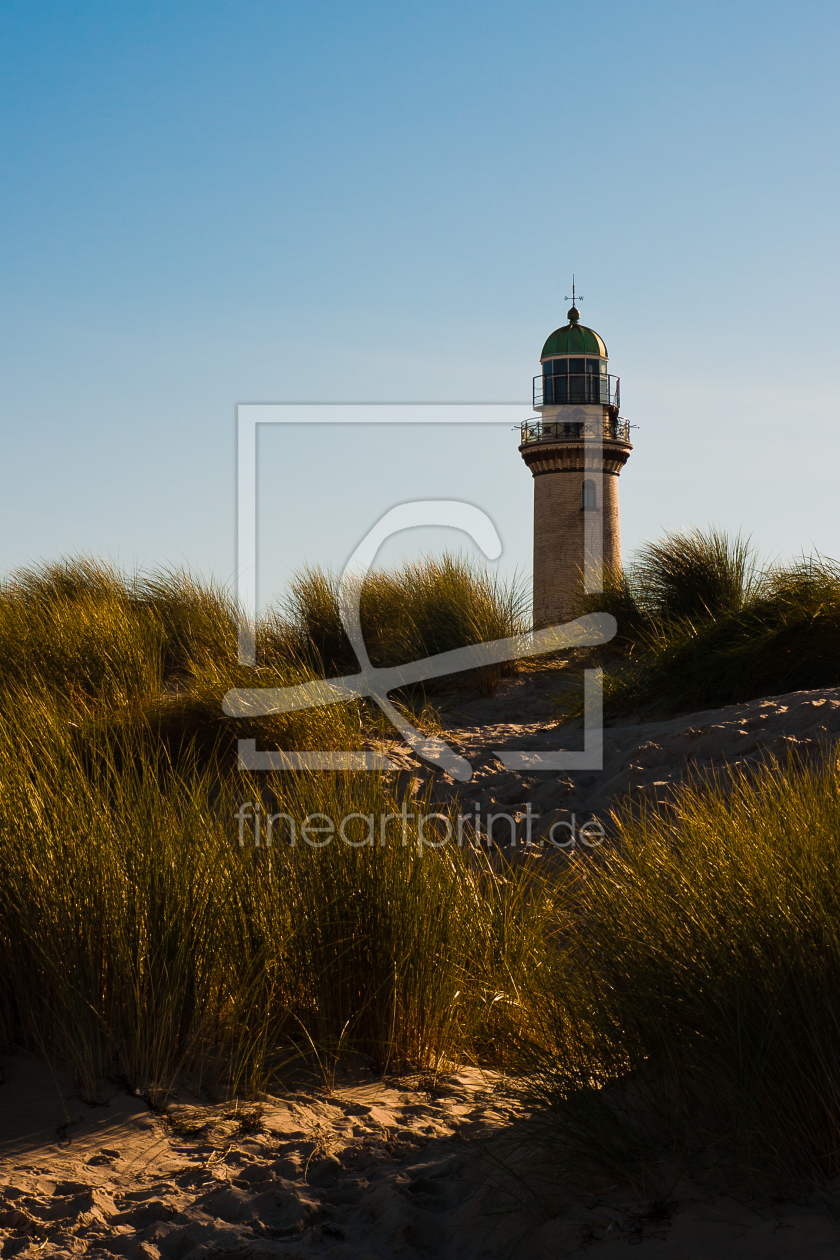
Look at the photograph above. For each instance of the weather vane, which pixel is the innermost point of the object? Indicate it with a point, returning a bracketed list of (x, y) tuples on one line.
[(574, 298)]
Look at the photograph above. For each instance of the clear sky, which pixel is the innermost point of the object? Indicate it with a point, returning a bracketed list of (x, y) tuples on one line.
[(209, 203)]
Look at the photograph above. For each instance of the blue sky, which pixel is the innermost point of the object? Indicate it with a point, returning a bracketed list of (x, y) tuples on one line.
[(207, 204)]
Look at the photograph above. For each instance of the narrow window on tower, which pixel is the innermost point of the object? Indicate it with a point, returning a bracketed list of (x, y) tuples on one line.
[(588, 495)]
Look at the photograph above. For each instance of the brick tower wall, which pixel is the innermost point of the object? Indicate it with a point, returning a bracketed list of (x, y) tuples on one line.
[(563, 529), (559, 523)]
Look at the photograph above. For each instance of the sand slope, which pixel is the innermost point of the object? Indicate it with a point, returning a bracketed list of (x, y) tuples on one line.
[(640, 760)]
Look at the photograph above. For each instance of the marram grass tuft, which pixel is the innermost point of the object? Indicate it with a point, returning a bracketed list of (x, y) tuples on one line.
[(144, 935)]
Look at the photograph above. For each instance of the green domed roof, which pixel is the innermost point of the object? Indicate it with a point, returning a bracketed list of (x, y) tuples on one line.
[(573, 338)]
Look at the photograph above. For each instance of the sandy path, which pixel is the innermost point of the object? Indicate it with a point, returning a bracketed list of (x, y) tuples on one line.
[(641, 761), (369, 1171)]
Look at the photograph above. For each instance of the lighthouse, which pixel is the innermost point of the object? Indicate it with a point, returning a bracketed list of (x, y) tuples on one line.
[(575, 451)]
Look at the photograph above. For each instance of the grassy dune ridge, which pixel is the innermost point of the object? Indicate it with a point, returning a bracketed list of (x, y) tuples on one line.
[(701, 624)]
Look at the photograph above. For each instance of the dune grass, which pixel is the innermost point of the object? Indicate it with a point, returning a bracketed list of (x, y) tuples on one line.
[(73, 629), (158, 652), (694, 574), (140, 938), (424, 608), (695, 1021), (145, 934), (702, 625)]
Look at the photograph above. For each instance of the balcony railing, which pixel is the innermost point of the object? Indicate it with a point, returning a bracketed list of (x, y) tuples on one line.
[(617, 430), (577, 389)]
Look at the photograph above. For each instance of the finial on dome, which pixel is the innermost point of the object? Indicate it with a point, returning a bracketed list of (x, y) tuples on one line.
[(573, 315)]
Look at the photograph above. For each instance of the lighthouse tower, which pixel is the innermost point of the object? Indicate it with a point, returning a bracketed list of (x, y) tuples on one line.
[(575, 450)]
